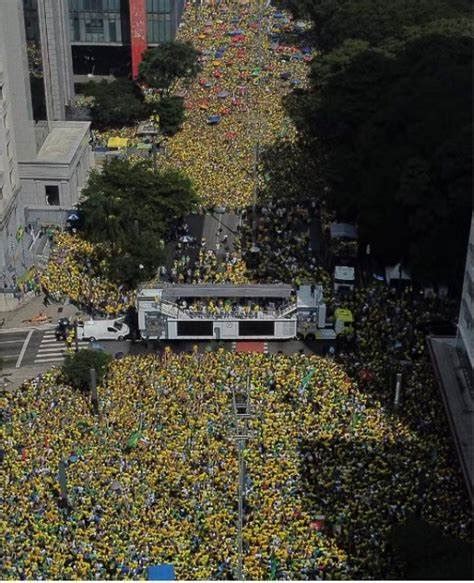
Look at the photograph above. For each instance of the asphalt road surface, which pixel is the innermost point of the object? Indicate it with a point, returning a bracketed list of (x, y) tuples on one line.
[(39, 347)]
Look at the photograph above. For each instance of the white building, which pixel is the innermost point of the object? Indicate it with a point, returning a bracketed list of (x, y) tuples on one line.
[(43, 166)]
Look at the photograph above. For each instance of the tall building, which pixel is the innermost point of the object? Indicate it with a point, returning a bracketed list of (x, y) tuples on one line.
[(466, 313), (44, 163), (453, 362), (108, 37)]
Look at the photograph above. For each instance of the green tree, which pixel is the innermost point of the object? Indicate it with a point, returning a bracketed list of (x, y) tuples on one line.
[(163, 64), (171, 112), (390, 131), (76, 367), (372, 20), (128, 208), (117, 103), (429, 554)]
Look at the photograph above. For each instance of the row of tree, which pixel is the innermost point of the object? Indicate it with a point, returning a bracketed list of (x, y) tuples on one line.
[(386, 125), (122, 102), (127, 209)]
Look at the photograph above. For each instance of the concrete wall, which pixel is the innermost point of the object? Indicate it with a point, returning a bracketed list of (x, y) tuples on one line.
[(53, 17), (15, 70)]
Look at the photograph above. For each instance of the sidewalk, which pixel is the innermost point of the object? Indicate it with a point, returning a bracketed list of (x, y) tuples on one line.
[(17, 318)]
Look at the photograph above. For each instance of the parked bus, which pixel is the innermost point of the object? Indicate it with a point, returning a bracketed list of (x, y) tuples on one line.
[(232, 312)]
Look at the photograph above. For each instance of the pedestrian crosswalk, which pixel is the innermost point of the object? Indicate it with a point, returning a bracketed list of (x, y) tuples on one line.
[(52, 350)]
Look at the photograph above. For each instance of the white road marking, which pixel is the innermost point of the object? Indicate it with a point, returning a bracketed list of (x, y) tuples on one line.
[(23, 350), (11, 341)]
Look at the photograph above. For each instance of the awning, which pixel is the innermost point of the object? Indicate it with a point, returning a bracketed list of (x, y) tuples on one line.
[(117, 142)]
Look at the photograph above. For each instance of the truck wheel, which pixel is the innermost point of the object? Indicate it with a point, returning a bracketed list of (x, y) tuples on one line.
[(310, 337), (299, 336), (92, 339), (120, 338)]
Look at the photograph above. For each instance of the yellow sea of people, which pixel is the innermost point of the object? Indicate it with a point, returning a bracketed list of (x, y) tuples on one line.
[(172, 498), (245, 74), (326, 449), (74, 271)]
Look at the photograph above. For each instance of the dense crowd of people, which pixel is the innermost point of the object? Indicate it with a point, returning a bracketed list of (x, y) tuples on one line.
[(153, 479), (318, 447), (207, 267), (247, 68), (75, 271), (282, 233)]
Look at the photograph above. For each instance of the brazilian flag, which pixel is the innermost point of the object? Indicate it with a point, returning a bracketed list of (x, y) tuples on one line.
[(356, 419), (273, 568), (134, 439), (306, 380)]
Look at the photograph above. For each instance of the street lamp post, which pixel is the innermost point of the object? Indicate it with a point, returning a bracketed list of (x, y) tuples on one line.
[(242, 415)]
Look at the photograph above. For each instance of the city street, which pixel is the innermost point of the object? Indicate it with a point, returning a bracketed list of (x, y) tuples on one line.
[(28, 348)]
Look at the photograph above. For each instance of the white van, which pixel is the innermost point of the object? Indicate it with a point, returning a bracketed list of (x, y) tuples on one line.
[(102, 330)]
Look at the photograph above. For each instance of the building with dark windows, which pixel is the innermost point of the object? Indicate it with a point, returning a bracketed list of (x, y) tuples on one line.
[(44, 159), (108, 37), (453, 362)]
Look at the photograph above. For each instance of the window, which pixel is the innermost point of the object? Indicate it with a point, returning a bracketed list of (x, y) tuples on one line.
[(92, 4), (111, 329), (76, 29), (112, 32), (95, 26), (252, 328), (204, 328), (52, 194)]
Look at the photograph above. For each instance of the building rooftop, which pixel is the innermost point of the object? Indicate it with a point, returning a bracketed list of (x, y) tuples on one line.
[(309, 296), (171, 292), (456, 390), (62, 142)]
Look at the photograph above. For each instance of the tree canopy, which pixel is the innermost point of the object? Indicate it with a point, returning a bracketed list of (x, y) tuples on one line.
[(116, 103), (171, 111), (163, 64), (128, 208), (76, 367), (371, 20), (387, 117)]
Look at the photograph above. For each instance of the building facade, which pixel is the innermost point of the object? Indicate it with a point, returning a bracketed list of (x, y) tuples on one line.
[(44, 164), (108, 37), (466, 312)]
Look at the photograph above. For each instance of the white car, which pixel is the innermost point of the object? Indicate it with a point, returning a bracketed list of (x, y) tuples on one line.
[(102, 330)]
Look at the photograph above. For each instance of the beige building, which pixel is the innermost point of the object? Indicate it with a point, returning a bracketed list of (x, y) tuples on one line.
[(43, 165)]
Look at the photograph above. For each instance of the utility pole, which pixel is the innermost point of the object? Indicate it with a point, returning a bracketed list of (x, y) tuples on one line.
[(93, 388), (398, 390), (242, 415), (62, 479), (76, 339), (257, 123)]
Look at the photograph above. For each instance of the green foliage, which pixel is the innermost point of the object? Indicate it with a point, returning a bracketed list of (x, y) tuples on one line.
[(128, 208), (117, 103), (427, 554), (165, 63), (76, 367), (390, 128), (171, 112), (373, 21)]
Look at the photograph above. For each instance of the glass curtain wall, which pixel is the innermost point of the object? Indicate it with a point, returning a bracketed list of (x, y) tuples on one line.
[(96, 21)]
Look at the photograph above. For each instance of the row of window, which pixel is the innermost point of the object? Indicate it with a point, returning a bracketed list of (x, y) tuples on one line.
[(95, 5), (206, 328), (93, 27)]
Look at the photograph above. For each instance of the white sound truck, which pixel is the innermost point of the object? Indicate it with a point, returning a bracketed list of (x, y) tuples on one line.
[(233, 312)]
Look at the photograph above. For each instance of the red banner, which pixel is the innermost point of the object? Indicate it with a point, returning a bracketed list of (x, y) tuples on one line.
[(138, 33)]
